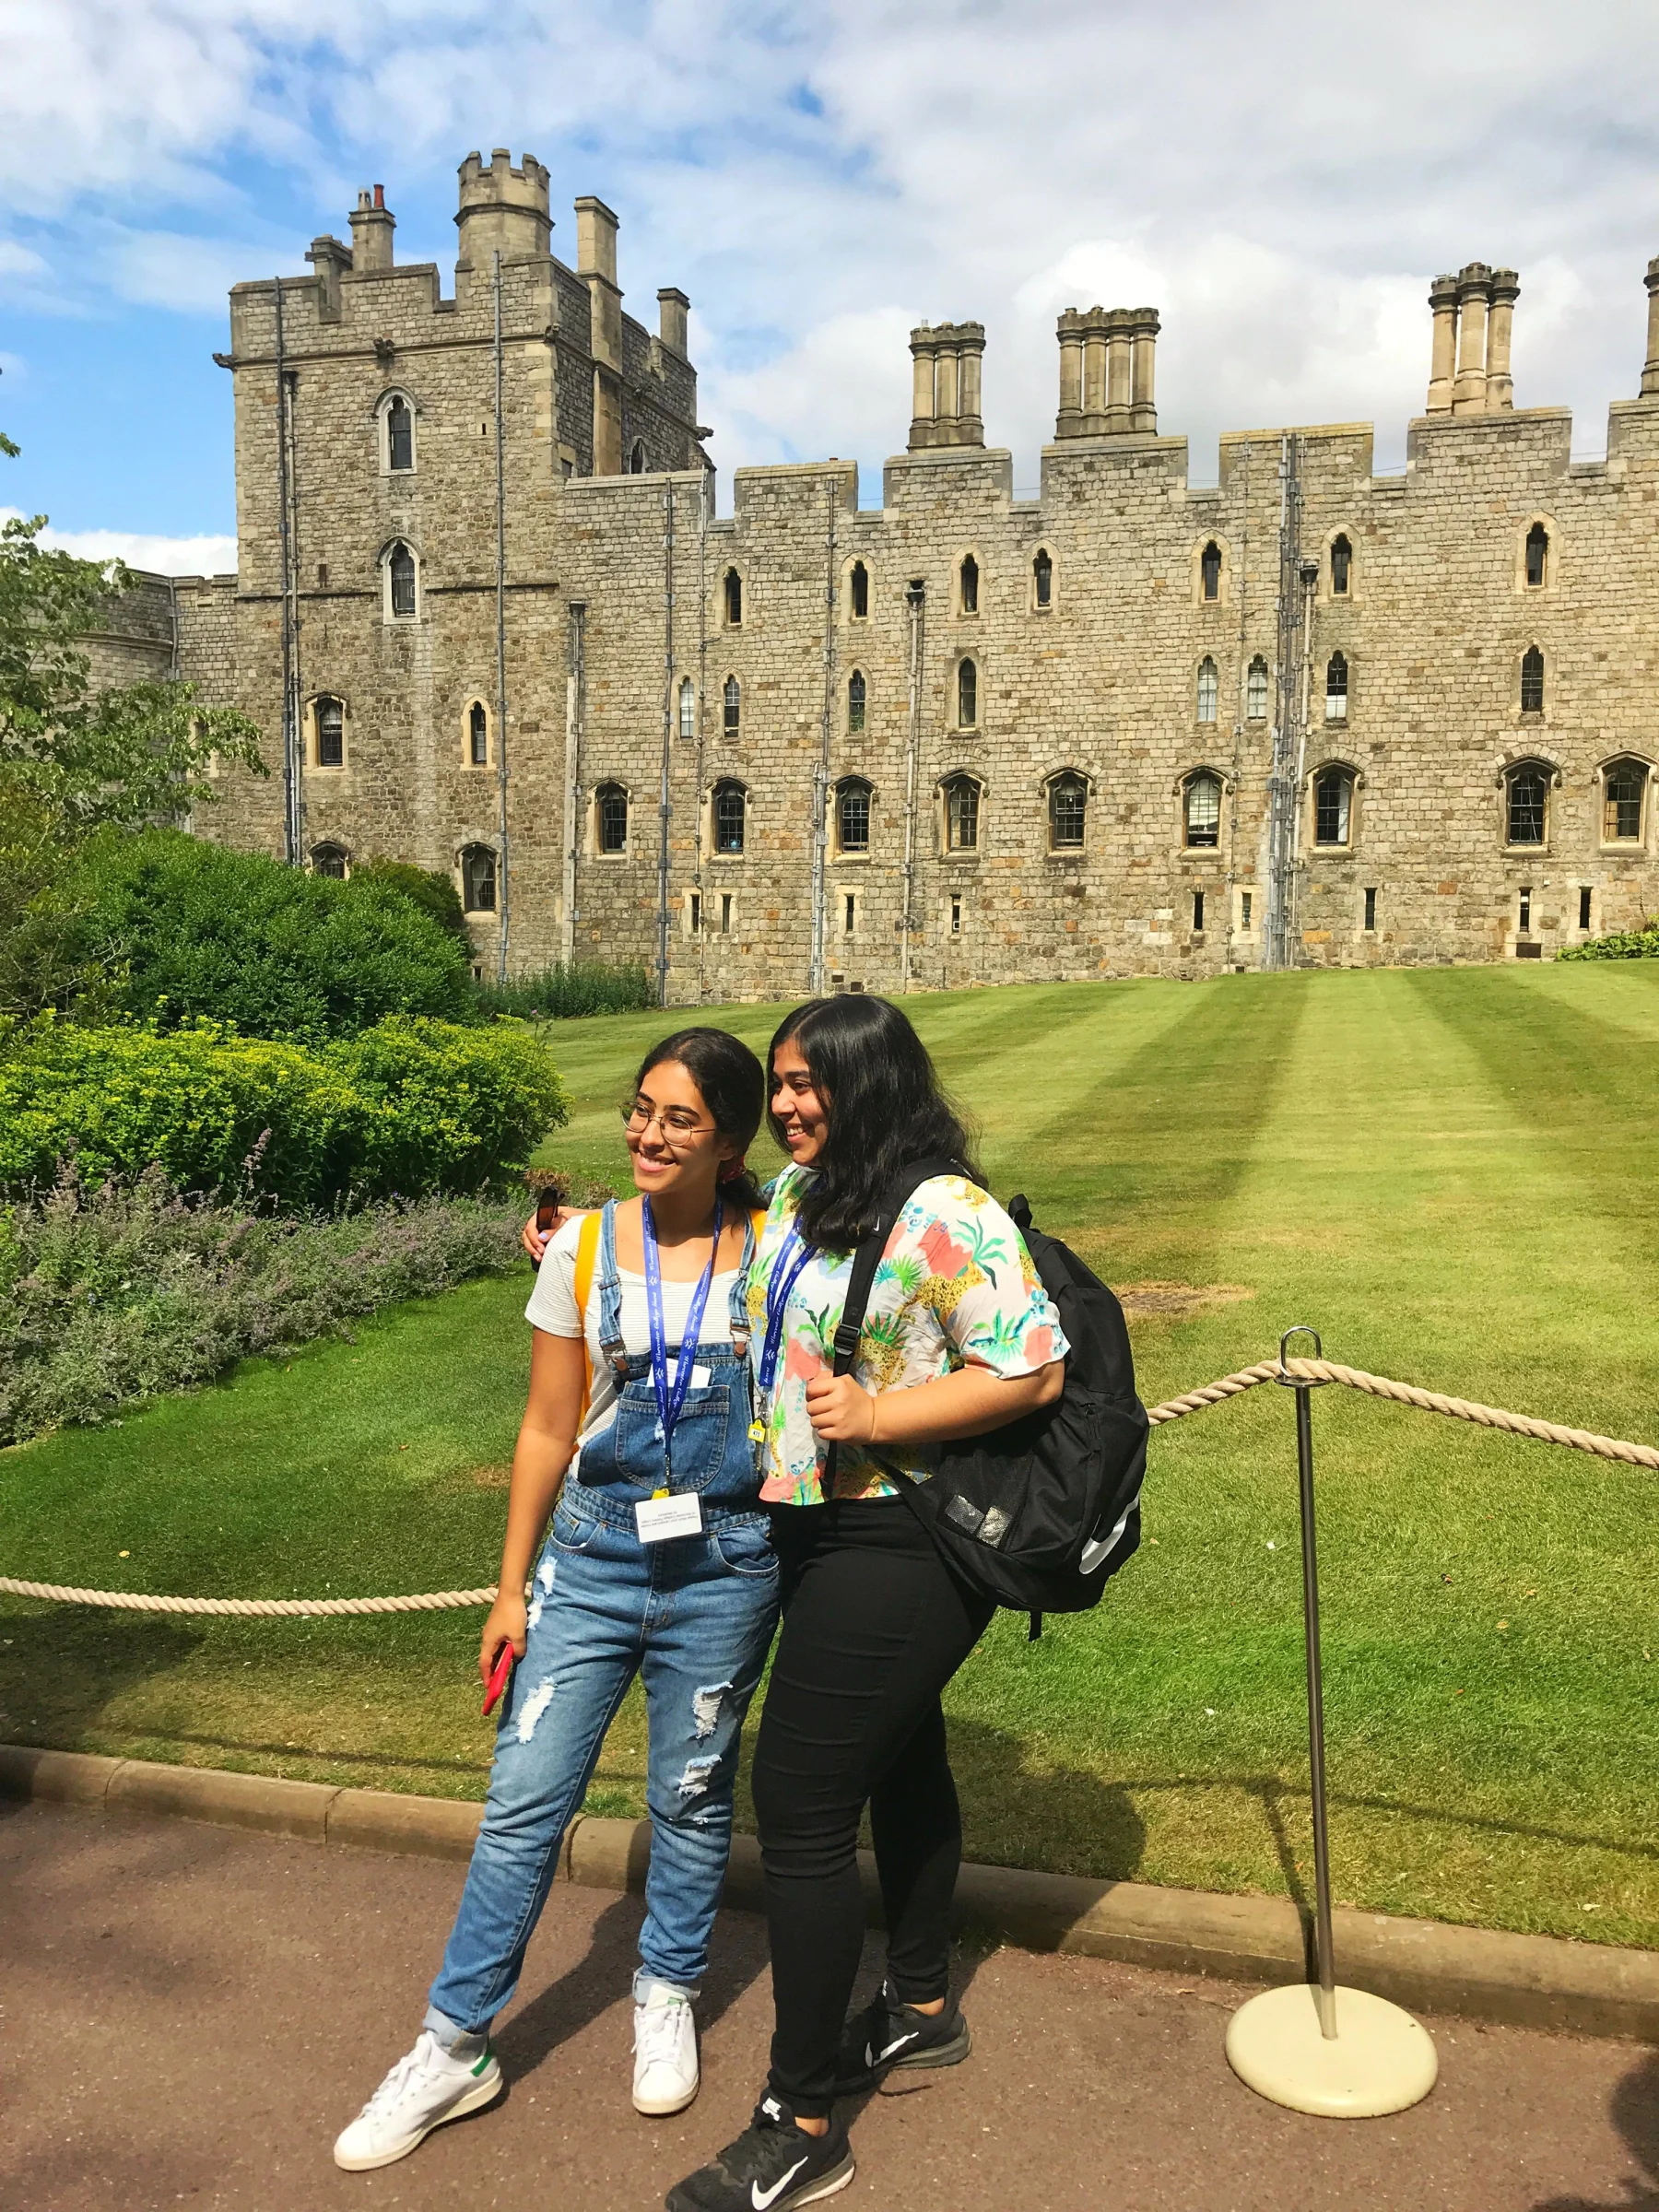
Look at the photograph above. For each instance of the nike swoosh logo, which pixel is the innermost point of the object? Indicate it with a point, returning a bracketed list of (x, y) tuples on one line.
[(763, 2199), (897, 2046)]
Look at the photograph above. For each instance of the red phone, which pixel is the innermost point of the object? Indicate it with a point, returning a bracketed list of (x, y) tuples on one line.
[(497, 1679)]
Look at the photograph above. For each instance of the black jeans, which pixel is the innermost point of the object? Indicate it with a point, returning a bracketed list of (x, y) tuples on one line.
[(874, 1626)]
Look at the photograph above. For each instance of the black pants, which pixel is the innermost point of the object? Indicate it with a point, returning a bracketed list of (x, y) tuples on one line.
[(874, 1626)]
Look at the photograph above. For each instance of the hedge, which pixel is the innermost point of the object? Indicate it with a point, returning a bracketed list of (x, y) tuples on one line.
[(410, 1106), (1625, 945)]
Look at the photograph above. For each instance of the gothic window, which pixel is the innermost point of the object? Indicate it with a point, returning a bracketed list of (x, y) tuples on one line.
[(855, 701), (1202, 810), (1537, 556), (610, 809), (477, 879), (1532, 681), (1067, 808), (1255, 690), (400, 435), (331, 733), (852, 816), (967, 696), (1624, 790), (330, 860), (1527, 804), (401, 582), (732, 702), (687, 708), (961, 814), (636, 459), (1332, 805), (734, 599), (1342, 567), (731, 816), (477, 734), (1209, 571), (1208, 690), (1337, 687), (859, 591), (969, 580), (1042, 578)]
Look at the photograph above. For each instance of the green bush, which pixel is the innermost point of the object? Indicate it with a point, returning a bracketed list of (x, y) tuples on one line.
[(192, 932), (431, 890), (559, 993), (1627, 944), (410, 1106)]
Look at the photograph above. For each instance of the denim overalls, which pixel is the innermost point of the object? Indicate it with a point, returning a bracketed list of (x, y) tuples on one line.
[(693, 1615)]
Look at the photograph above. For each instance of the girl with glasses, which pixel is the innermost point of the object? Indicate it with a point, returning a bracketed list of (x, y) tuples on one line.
[(637, 1441)]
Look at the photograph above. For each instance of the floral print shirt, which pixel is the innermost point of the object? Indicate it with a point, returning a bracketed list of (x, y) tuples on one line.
[(956, 1285)]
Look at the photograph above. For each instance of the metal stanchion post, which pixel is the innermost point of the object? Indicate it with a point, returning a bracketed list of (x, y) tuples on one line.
[(1296, 2044)]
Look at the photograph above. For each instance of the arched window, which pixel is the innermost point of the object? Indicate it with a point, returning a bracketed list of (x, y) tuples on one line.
[(1209, 571), (731, 814), (477, 879), (1342, 567), (400, 434), (855, 701), (1067, 808), (1042, 578), (852, 816), (477, 734), (400, 581), (1255, 690), (967, 696), (1527, 804), (1537, 556), (610, 811), (1532, 681), (961, 814), (687, 708), (734, 599), (1201, 813), (859, 591), (1208, 690), (636, 459), (969, 573), (733, 705), (1624, 794), (331, 733), (330, 860), (1332, 805), (1337, 687)]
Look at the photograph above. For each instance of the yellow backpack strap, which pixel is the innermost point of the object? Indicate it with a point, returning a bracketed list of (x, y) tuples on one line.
[(587, 1251)]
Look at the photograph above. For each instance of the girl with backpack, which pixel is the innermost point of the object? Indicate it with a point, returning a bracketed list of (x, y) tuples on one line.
[(637, 1441), (959, 1337)]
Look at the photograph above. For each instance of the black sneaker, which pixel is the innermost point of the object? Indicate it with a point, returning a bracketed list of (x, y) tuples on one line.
[(888, 2034), (772, 2166)]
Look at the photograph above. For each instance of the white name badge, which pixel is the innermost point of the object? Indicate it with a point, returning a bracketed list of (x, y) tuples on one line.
[(700, 1376), (659, 1518)]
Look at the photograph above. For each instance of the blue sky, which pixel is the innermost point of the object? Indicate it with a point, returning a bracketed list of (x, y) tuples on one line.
[(1280, 181)]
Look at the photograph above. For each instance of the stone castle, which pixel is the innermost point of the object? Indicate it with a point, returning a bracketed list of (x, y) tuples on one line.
[(490, 623)]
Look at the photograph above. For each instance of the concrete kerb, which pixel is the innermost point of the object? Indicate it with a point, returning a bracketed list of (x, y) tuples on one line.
[(1481, 1973)]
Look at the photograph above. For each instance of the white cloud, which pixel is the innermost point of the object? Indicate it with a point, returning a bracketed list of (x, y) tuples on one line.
[(205, 555)]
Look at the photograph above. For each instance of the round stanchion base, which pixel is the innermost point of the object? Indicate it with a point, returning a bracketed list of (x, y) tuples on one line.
[(1379, 2060)]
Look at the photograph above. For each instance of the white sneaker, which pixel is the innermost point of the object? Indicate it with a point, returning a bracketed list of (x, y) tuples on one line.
[(665, 2074), (423, 2090)]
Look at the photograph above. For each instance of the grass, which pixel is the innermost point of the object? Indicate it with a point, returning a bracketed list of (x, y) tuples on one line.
[(1450, 1172)]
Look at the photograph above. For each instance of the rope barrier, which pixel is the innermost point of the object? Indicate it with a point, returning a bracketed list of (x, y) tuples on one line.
[(1173, 1409)]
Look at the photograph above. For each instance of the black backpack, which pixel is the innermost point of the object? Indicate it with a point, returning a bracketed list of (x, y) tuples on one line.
[(1038, 1514)]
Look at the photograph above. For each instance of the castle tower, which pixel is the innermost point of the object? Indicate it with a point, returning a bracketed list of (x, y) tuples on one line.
[(503, 210), (945, 360)]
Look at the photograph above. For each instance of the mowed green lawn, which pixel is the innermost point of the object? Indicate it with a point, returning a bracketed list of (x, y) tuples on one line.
[(1452, 1173)]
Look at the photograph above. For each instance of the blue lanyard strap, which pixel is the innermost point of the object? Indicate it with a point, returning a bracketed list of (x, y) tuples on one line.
[(671, 1398), (792, 1256)]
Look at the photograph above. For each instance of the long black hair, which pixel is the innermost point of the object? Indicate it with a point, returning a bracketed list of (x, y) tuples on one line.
[(733, 1083), (883, 1107)]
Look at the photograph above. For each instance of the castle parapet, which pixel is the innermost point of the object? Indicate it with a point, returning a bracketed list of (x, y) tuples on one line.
[(1107, 371), (945, 360)]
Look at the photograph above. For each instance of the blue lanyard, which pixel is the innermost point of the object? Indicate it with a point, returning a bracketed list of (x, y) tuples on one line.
[(671, 1398), (792, 1256)]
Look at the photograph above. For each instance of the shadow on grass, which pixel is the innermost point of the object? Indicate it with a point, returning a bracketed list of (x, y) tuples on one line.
[(1635, 2111)]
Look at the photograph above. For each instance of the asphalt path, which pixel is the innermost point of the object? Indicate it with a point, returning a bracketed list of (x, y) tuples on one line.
[(188, 2015)]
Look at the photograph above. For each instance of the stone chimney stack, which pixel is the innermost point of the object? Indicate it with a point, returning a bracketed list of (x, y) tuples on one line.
[(1473, 321), (673, 307), (503, 210), (1107, 367), (330, 260), (373, 224), (1442, 302), (1473, 293), (596, 264), (945, 360), (1650, 374), (1499, 384)]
